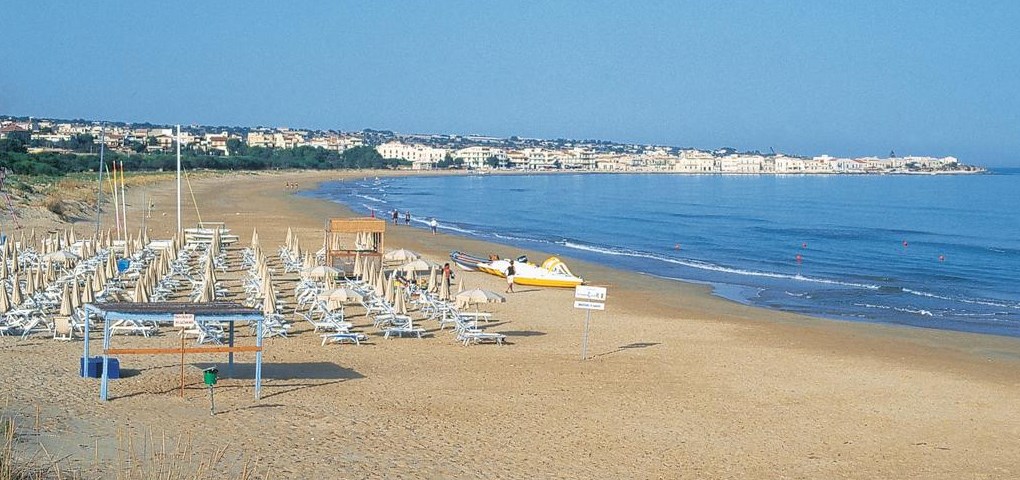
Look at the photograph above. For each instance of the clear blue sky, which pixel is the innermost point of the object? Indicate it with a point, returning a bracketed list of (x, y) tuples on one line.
[(845, 78)]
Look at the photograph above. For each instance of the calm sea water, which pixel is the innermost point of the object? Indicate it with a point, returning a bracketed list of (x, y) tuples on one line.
[(928, 251)]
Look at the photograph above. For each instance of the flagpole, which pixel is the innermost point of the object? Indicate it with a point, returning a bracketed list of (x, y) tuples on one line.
[(99, 194)]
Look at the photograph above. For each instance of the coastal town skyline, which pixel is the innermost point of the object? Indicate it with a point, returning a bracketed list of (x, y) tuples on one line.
[(438, 151), (929, 78)]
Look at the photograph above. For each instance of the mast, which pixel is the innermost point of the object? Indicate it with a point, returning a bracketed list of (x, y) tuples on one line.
[(99, 194), (123, 200), (179, 179)]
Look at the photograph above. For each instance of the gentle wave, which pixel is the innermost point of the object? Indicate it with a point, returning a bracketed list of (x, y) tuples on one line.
[(370, 198), (713, 267)]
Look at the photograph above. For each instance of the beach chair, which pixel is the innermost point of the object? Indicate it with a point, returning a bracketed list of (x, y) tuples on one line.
[(62, 329)]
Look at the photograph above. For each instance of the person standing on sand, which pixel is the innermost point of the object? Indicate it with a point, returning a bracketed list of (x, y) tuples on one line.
[(510, 272), (407, 217), (434, 225), (447, 274), (396, 216)]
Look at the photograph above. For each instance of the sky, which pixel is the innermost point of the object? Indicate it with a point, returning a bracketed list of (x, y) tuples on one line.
[(802, 77)]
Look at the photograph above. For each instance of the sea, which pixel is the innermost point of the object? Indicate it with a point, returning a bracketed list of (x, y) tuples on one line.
[(930, 251)]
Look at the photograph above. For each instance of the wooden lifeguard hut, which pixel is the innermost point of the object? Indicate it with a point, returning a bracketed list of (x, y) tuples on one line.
[(347, 237)]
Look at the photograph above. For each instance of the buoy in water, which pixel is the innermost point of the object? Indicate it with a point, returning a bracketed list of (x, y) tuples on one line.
[(676, 247), (942, 258), (803, 245), (799, 258), (905, 243)]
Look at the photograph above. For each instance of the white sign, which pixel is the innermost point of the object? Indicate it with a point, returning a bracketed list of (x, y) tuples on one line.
[(587, 292), (589, 305), (184, 320)]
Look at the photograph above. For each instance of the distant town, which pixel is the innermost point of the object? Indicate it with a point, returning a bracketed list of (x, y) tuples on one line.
[(473, 152)]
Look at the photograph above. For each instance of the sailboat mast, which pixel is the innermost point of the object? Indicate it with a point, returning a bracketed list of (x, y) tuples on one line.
[(179, 226)]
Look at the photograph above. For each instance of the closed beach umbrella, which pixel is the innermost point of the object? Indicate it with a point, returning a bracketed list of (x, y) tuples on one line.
[(30, 285), (207, 293), (75, 293), (388, 289), (16, 297), (4, 272), (254, 237), (433, 276), (401, 255), (398, 303), (141, 294), (444, 290), (290, 239), (379, 282), (460, 286), (269, 297), (5, 300), (358, 270), (88, 295), (214, 245), (66, 306), (476, 296)]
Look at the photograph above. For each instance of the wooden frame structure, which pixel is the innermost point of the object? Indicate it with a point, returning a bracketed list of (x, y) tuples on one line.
[(163, 313), (346, 237)]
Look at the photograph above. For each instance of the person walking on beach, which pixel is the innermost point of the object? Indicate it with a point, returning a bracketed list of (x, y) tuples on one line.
[(510, 272), (396, 216), (407, 217), (434, 225)]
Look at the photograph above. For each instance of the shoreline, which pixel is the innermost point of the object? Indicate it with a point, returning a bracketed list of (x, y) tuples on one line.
[(682, 384), (717, 289)]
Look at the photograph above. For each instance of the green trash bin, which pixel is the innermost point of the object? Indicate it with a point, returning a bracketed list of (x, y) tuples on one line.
[(209, 376)]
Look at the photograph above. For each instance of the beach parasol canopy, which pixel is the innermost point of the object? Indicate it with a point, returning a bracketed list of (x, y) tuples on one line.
[(254, 237), (4, 272), (88, 294), (290, 239), (460, 286), (61, 256), (319, 272), (336, 298), (417, 266), (401, 255), (477, 296), (214, 245)]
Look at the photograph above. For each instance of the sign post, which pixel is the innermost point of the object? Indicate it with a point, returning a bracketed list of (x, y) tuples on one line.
[(590, 298)]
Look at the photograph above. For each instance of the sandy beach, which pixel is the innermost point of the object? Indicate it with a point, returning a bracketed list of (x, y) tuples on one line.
[(682, 384)]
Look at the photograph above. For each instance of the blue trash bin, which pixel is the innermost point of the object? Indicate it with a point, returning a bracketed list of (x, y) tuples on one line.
[(123, 264)]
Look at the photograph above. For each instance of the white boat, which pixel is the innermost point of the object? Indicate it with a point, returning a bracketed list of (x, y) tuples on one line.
[(552, 273), (205, 231)]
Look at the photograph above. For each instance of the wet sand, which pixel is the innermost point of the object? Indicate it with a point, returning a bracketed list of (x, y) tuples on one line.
[(681, 384)]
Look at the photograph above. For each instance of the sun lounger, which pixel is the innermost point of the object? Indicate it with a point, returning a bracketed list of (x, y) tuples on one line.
[(468, 337), (340, 337), (402, 330)]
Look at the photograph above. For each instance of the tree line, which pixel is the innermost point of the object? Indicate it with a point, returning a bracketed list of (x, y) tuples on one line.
[(15, 157)]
